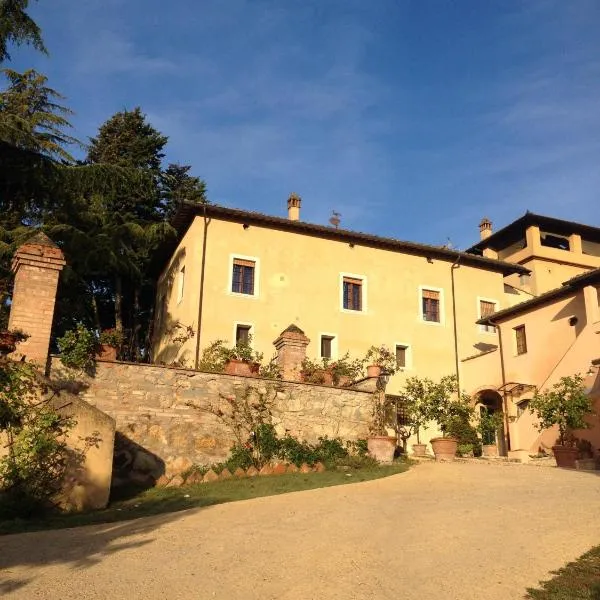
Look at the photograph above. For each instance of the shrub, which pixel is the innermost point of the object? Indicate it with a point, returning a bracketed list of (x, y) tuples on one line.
[(112, 337), (460, 428), (566, 405), (77, 348), (33, 470), (383, 357)]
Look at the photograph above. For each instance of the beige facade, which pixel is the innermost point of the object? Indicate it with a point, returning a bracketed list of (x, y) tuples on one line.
[(551, 336), (299, 277)]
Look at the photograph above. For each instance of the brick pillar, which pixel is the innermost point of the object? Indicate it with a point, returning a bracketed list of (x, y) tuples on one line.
[(36, 265), (291, 351)]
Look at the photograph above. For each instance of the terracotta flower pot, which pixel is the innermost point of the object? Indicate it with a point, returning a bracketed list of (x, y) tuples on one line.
[(382, 448), (106, 352), (344, 380), (489, 450), (240, 367), (8, 342), (444, 448), (565, 456), (373, 371), (419, 449)]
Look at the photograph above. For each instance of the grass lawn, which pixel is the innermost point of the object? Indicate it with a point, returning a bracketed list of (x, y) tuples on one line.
[(579, 580), (162, 500)]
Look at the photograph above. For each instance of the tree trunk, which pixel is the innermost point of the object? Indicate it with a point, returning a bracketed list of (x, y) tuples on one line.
[(95, 312), (135, 334), (118, 303)]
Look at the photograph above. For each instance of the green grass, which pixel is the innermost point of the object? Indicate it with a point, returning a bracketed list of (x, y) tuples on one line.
[(579, 580), (164, 500)]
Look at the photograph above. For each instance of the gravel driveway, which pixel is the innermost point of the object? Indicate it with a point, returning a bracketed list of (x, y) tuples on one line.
[(448, 531)]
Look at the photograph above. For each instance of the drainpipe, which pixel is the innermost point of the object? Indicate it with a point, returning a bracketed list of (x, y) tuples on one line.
[(503, 375), (454, 266), (201, 299)]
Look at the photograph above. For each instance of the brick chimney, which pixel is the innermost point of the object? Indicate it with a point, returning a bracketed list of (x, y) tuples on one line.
[(294, 203), (291, 351), (485, 228), (36, 264)]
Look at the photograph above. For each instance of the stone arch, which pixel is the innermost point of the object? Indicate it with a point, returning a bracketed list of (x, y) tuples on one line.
[(489, 399)]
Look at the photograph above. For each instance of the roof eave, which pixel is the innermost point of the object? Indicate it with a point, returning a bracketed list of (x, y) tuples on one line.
[(188, 211)]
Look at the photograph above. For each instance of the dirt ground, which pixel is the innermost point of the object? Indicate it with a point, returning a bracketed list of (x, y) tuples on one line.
[(449, 531)]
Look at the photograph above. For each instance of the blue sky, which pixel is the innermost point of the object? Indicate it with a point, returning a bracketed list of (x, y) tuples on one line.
[(411, 118)]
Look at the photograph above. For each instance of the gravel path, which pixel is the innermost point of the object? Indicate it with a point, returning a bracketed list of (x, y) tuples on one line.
[(495, 531)]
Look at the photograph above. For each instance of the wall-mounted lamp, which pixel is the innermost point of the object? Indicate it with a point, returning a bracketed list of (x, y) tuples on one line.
[(383, 379)]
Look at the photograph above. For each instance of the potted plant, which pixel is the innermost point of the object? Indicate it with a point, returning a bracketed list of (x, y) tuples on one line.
[(447, 407), (110, 341), (488, 426), (380, 359), (415, 415), (345, 370), (316, 372), (380, 444), (242, 359), (566, 405), (10, 339)]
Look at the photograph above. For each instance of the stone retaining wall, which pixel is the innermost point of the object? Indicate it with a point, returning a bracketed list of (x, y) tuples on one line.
[(158, 432)]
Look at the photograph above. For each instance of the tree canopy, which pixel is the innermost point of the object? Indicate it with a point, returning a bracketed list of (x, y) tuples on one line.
[(17, 27)]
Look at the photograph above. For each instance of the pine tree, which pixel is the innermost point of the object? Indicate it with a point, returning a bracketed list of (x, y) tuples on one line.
[(17, 27), (30, 117)]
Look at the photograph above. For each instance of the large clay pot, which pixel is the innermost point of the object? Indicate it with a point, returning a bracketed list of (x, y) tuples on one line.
[(373, 371), (106, 352), (489, 450), (382, 448), (240, 367), (419, 449), (444, 448), (565, 456)]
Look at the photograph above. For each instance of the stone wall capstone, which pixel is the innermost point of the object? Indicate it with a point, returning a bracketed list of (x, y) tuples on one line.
[(159, 433)]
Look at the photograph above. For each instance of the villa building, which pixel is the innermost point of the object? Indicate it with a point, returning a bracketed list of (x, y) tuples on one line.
[(237, 273)]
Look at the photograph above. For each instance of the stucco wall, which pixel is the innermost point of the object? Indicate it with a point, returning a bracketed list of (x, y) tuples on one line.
[(299, 281), (557, 346), (158, 432)]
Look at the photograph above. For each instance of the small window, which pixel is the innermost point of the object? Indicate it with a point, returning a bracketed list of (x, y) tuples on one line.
[(522, 407), (431, 306), (327, 346), (487, 309), (401, 356), (555, 241), (521, 339), (242, 335), (353, 293), (242, 281), (180, 284)]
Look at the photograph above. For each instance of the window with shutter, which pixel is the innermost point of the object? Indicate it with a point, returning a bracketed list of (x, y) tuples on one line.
[(326, 346), (486, 309), (431, 306), (242, 280), (242, 335), (521, 339), (352, 293), (401, 356)]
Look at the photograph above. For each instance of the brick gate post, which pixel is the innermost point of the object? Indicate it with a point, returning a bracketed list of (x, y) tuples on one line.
[(36, 264)]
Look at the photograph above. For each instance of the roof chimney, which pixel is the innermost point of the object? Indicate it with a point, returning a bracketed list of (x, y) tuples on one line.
[(294, 203), (485, 228)]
